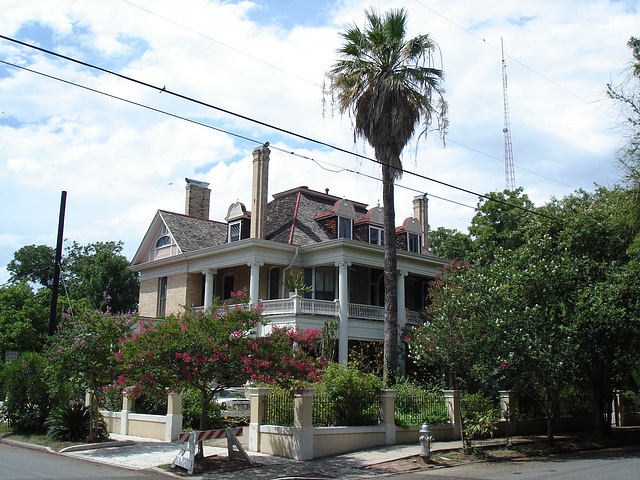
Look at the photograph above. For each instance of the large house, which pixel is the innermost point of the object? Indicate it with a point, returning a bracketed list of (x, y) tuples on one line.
[(336, 243)]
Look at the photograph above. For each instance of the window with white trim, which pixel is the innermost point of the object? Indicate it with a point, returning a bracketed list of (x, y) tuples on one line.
[(163, 241), (235, 231), (413, 242), (376, 235), (345, 227), (162, 297)]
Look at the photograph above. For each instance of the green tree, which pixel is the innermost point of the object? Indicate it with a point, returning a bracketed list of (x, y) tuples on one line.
[(99, 270), (212, 350), (24, 318), (386, 82), (496, 223), (450, 244), (94, 272), (34, 263)]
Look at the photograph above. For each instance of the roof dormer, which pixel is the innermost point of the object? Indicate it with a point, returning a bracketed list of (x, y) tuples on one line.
[(410, 235), (239, 222), (339, 219)]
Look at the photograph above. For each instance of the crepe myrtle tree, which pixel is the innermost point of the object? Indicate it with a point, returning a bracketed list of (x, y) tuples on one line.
[(214, 349), (82, 353)]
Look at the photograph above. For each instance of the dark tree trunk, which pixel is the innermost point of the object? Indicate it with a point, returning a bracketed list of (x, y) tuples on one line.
[(390, 279)]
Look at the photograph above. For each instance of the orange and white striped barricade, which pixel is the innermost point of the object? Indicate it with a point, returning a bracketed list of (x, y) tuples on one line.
[(187, 454)]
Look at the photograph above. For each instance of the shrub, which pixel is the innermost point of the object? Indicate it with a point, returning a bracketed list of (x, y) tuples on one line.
[(191, 408), (71, 423), (479, 417), (630, 402), (27, 400), (350, 397)]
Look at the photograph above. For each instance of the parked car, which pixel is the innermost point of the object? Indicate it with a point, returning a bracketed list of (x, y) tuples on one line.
[(233, 403)]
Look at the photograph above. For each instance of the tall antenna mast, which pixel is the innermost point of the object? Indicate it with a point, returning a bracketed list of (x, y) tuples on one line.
[(509, 174)]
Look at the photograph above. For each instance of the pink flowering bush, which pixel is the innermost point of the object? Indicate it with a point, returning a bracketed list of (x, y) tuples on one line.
[(214, 349)]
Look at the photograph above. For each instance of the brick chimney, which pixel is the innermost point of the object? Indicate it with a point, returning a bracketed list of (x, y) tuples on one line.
[(197, 199), (421, 212), (259, 190)]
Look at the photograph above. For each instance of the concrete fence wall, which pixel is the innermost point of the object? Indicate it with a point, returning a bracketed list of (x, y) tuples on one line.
[(161, 427)]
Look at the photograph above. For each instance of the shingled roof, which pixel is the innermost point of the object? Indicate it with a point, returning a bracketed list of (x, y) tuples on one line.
[(301, 205), (191, 233)]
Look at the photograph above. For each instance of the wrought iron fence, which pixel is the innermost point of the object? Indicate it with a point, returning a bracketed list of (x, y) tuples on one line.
[(418, 408), (345, 410), (279, 409)]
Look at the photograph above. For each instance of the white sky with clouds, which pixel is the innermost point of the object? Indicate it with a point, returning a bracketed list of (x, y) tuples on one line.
[(266, 60)]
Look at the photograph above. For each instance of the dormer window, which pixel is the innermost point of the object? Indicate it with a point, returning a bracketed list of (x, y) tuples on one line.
[(345, 227), (235, 231), (376, 235), (413, 242)]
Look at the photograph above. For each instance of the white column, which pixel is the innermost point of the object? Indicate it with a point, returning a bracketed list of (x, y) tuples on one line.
[(343, 299), (402, 318), (254, 287), (208, 286)]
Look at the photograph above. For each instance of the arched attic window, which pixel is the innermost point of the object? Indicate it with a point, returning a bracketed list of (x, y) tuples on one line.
[(163, 241)]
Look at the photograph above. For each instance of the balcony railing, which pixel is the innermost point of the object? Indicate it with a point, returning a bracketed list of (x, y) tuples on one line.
[(306, 306)]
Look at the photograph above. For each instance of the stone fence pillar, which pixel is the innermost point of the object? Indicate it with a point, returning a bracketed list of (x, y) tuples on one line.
[(388, 416), (452, 402), (258, 399), (173, 425), (302, 441), (127, 406)]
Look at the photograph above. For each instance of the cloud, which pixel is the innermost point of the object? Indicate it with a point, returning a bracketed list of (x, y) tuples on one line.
[(120, 162)]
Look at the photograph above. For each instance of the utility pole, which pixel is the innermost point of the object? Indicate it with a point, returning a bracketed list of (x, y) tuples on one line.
[(509, 174), (56, 271)]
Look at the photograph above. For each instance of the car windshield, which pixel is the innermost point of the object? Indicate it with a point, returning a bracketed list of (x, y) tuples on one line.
[(230, 394)]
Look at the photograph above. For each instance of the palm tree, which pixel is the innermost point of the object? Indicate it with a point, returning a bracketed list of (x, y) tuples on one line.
[(389, 87)]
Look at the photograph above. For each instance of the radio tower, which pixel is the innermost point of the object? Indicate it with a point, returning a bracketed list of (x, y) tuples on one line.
[(509, 174)]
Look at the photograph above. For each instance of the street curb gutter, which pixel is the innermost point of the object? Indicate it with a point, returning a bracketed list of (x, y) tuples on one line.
[(93, 446), (32, 446), (73, 448)]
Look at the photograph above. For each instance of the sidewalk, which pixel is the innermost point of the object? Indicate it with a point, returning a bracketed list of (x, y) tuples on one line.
[(141, 453)]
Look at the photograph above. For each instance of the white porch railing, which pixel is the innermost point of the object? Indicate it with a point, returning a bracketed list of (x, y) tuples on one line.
[(305, 306), (367, 312), (299, 305)]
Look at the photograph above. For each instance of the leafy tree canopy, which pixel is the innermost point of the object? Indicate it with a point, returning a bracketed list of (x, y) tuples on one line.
[(93, 272), (450, 244), (24, 316), (496, 223)]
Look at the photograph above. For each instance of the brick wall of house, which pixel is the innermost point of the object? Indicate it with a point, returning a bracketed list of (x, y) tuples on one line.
[(148, 299), (176, 293), (194, 290)]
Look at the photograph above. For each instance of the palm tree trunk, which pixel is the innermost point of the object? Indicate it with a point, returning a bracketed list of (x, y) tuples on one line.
[(390, 279)]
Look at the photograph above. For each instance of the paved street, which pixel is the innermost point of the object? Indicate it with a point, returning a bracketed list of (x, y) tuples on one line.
[(18, 463)]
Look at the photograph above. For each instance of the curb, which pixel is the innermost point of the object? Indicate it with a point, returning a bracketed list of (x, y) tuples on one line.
[(31, 446), (93, 446)]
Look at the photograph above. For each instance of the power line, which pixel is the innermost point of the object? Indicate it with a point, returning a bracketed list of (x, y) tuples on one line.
[(259, 122), (319, 163), (320, 86)]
